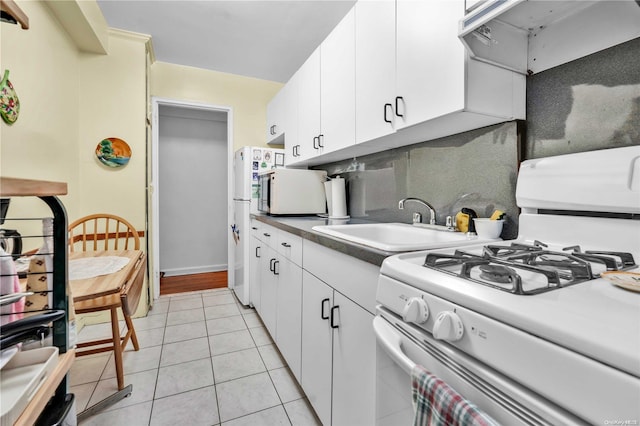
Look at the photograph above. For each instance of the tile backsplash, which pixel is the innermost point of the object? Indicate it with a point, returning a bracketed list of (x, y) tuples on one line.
[(475, 169), (587, 104)]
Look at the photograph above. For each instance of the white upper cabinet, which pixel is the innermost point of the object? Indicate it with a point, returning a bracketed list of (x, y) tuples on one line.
[(282, 115), (430, 60), (337, 87), (308, 79), (275, 117), (413, 73), (375, 68), (393, 73), (326, 95)]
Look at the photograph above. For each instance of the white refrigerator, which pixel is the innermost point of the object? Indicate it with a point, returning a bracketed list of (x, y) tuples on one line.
[(248, 162)]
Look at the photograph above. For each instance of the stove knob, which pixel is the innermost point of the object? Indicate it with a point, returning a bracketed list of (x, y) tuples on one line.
[(415, 311), (448, 326)]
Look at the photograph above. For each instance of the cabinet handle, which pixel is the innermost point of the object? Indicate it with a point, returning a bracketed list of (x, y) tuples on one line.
[(266, 234), (320, 140), (316, 142), (254, 228), (333, 325), (322, 304), (385, 112), (287, 245), (397, 107), (258, 251), (271, 264), (275, 271)]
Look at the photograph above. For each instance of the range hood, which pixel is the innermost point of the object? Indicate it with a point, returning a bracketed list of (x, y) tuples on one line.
[(529, 36)]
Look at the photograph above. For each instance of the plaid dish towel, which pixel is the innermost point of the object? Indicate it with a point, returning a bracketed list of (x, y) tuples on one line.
[(437, 404)]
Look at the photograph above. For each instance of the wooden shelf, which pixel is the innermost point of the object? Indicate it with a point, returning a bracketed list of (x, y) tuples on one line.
[(46, 391), (15, 187), (11, 8)]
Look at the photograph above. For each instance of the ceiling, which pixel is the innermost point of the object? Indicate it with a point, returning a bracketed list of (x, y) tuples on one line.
[(268, 39)]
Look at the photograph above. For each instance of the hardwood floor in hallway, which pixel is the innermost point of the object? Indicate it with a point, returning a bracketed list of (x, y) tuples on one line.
[(193, 282)]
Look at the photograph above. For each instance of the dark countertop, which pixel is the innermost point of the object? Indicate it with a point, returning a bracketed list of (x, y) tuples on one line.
[(301, 225)]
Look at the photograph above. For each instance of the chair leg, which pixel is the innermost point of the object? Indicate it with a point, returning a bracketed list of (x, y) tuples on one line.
[(132, 330), (117, 348)]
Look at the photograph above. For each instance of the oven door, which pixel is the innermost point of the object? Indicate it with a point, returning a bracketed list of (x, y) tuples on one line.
[(400, 346)]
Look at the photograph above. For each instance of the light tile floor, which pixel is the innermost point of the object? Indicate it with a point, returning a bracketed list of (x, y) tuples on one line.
[(204, 359)]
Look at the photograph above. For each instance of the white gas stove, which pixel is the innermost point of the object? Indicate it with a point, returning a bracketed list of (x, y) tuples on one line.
[(527, 328)]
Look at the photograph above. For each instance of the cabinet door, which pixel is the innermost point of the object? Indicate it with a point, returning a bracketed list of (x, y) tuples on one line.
[(430, 60), (354, 366), (338, 86), (317, 299), (289, 313), (291, 120), (309, 106), (255, 271), (375, 68), (275, 115), (268, 295)]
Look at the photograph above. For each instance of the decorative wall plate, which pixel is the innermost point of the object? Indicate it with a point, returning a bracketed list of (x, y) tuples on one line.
[(113, 152), (9, 102)]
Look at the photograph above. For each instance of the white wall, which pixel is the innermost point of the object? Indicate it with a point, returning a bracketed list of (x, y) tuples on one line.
[(192, 183)]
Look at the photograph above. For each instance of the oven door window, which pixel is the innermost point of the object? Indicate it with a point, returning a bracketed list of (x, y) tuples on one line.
[(399, 347)]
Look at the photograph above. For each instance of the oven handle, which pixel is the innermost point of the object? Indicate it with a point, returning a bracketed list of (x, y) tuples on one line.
[(392, 344)]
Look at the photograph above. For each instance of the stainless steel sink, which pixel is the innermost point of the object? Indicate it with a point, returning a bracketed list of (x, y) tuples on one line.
[(396, 237)]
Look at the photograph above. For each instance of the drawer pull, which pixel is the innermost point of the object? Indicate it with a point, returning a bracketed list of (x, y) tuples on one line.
[(322, 313), (333, 316), (287, 245)]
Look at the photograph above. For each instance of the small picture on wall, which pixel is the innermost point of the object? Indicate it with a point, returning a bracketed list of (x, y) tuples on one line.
[(113, 152)]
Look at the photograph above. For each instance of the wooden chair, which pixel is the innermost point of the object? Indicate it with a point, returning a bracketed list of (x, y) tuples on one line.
[(110, 232)]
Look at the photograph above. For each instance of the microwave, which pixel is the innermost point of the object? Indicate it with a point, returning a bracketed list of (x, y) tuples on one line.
[(292, 192)]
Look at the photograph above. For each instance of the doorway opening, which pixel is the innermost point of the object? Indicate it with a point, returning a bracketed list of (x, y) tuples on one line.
[(192, 148)]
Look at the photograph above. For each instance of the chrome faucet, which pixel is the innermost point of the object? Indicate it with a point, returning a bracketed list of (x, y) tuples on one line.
[(417, 217)]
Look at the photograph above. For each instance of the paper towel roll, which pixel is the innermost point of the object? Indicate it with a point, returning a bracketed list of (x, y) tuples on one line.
[(338, 198)]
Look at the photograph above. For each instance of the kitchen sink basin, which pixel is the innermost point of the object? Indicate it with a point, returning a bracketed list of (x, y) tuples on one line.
[(396, 237)]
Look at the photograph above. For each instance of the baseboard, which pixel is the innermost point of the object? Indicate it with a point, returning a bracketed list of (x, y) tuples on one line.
[(193, 270)]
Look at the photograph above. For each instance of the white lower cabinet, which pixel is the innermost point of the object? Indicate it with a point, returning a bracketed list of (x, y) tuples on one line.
[(255, 271), (280, 301), (318, 305), (354, 364), (338, 355), (289, 313), (268, 290), (317, 345), (338, 343)]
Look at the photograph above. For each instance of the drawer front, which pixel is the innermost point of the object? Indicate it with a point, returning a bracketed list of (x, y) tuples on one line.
[(256, 227), (290, 246), (268, 234), (355, 278)]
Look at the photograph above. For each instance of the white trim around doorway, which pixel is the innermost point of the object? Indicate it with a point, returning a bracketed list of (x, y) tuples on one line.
[(153, 239)]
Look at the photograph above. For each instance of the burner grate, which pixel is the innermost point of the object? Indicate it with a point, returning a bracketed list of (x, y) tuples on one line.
[(527, 269)]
